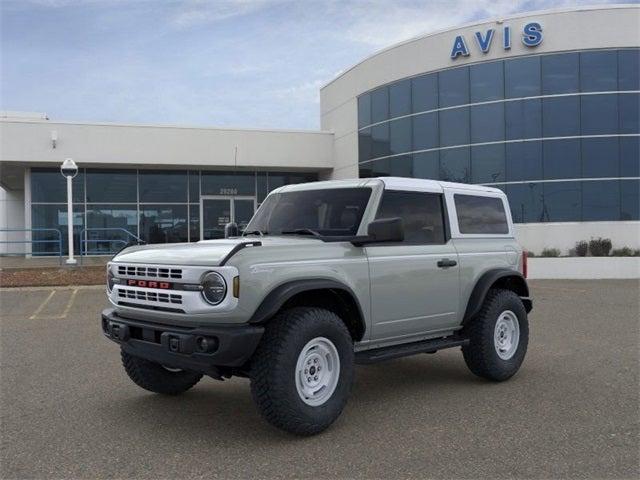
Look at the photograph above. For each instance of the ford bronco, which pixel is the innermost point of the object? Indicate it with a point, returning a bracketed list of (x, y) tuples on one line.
[(326, 275)]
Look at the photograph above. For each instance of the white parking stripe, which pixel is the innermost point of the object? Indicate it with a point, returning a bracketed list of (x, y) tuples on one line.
[(42, 305)]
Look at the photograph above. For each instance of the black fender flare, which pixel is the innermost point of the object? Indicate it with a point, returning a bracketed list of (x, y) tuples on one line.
[(515, 281), (277, 297)]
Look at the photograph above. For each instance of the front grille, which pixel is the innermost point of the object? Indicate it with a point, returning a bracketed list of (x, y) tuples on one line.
[(131, 294), (149, 272)]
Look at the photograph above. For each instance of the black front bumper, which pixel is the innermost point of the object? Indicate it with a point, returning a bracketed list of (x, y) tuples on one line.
[(199, 349)]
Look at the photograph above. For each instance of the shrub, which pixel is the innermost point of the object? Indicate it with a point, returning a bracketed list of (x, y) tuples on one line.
[(530, 254), (636, 252), (622, 252), (600, 247), (550, 252), (581, 248)]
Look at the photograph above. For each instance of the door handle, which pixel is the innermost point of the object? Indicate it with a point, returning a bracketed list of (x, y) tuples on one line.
[(445, 263)]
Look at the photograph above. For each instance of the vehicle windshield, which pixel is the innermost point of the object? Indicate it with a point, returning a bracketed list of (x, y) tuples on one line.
[(326, 212)]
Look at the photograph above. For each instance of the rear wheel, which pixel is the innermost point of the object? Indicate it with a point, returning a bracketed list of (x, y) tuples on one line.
[(158, 378), (302, 371), (498, 335)]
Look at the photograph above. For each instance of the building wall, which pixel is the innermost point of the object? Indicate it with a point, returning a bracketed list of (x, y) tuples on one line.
[(577, 29), (11, 217), (30, 141)]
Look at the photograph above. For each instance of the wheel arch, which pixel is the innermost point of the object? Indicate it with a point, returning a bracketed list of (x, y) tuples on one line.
[(324, 293), (497, 278)]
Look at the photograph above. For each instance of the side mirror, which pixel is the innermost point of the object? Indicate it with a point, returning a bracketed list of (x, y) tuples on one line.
[(231, 230), (383, 230)]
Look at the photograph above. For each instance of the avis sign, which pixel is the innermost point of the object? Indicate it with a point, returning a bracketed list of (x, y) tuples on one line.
[(531, 37)]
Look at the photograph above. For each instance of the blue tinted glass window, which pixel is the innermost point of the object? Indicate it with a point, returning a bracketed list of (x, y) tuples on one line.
[(453, 86), (560, 73), (53, 216), (525, 202), (561, 116), (401, 166), (194, 186), (279, 179), (600, 200), (365, 147), (380, 168), (113, 216), (365, 170), (599, 114), (487, 81), (364, 110), (523, 119), (487, 123), (561, 159), (600, 157), (630, 156), (562, 202), (112, 186), (455, 165), (49, 186), (225, 183), (630, 200), (629, 113), (523, 161), (379, 104), (426, 165), (454, 127), (400, 98), (599, 71), (380, 140), (629, 69), (194, 221), (163, 223), (400, 135), (163, 186), (424, 92), (262, 186), (487, 164), (522, 77), (425, 131)]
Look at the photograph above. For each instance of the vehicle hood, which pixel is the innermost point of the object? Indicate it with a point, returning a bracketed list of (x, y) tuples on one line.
[(203, 253)]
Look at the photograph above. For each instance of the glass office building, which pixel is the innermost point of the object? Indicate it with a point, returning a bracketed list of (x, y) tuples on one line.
[(559, 133), (157, 206)]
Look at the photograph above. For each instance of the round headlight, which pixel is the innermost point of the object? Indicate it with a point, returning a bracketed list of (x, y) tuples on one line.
[(214, 288), (109, 279)]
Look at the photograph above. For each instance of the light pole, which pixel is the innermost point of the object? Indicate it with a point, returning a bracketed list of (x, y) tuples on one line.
[(69, 169)]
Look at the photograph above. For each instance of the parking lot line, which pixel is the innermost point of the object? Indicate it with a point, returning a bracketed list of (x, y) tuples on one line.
[(42, 305), (69, 304)]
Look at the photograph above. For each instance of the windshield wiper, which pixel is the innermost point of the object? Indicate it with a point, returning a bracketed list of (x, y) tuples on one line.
[(254, 232), (301, 231)]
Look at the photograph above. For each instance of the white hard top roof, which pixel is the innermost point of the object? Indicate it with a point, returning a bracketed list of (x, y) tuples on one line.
[(392, 183)]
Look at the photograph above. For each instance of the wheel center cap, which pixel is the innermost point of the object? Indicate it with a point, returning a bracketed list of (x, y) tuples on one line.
[(312, 370)]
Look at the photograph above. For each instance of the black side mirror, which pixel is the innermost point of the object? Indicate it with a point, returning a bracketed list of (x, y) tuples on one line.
[(383, 230), (231, 230)]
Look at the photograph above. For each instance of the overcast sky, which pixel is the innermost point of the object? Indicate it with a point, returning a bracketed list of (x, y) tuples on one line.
[(245, 63)]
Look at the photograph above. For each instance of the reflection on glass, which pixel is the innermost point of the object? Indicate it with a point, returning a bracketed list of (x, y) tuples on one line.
[(600, 200), (629, 69), (629, 113), (487, 123), (163, 223), (560, 73), (525, 202), (194, 222), (600, 157), (365, 147), (454, 127), (112, 186), (426, 165), (488, 163), (599, 114), (49, 186), (523, 161), (562, 202), (163, 186), (487, 81), (54, 217), (425, 131), (364, 110), (630, 200), (561, 159), (107, 227), (400, 135), (454, 165), (424, 93), (400, 98), (380, 141), (598, 71), (228, 183), (630, 157), (523, 119), (380, 104), (453, 87), (522, 77), (561, 116)]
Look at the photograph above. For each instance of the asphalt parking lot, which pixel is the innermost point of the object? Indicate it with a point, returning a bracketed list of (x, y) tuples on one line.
[(69, 411)]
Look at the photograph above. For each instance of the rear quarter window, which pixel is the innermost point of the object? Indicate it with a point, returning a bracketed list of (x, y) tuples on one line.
[(480, 215)]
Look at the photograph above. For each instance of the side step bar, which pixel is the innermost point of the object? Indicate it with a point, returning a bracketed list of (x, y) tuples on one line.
[(396, 351)]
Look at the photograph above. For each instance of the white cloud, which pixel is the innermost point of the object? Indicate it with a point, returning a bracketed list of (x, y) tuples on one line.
[(190, 13)]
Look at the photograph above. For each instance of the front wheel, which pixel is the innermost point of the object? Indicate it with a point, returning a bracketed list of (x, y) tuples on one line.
[(302, 371), (498, 336), (158, 378)]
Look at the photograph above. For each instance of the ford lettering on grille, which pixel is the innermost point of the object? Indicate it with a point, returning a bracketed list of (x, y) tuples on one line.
[(149, 284)]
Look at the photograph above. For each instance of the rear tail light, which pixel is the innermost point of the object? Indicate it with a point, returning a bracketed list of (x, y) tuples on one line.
[(525, 264)]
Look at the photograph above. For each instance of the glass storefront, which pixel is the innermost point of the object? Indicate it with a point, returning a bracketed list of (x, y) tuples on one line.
[(559, 132), (158, 206)]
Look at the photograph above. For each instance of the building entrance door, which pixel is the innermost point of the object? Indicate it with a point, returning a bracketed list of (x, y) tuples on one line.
[(216, 211)]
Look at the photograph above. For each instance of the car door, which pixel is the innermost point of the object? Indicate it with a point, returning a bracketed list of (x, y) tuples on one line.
[(414, 283)]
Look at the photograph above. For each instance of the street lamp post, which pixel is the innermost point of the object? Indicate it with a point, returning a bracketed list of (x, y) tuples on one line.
[(69, 169)]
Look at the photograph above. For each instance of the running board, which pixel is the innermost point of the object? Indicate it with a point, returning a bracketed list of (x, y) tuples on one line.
[(366, 357)]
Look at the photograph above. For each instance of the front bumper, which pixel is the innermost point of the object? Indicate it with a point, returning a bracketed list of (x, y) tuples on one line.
[(199, 349)]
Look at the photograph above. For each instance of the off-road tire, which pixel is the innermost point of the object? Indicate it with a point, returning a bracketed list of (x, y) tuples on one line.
[(273, 366), (156, 378), (480, 355)]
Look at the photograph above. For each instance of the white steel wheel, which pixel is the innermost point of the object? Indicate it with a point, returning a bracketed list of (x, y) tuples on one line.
[(506, 335), (317, 371)]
